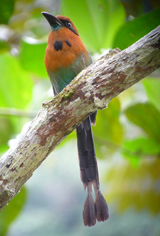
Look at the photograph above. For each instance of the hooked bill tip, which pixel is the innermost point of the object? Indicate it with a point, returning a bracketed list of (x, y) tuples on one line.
[(52, 20), (44, 13)]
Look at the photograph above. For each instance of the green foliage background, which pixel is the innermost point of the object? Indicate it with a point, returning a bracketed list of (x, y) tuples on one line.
[(129, 128)]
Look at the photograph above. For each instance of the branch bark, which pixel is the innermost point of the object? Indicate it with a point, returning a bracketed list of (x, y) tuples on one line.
[(92, 89)]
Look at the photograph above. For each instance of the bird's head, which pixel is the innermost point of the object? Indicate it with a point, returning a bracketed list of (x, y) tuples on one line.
[(58, 22)]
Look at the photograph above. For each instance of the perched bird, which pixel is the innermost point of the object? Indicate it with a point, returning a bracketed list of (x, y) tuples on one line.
[(65, 57)]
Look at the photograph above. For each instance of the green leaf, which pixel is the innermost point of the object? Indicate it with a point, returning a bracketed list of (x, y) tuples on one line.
[(138, 148), (4, 46), (135, 29), (6, 129), (15, 83), (7, 8), (147, 117), (136, 188), (3, 148), (32, 56), (139, 7), (108, 132), (15, 92), (133, 7), (11, 211), (152, 87), (97, 21)]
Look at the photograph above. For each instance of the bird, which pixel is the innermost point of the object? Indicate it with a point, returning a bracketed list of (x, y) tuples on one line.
[(65, 57)]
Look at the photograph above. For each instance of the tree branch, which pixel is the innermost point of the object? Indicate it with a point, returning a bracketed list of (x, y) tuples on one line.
[(92, 89)]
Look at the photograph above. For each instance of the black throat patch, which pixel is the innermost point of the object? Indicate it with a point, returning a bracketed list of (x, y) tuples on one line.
[(58, 45), (68, 43)]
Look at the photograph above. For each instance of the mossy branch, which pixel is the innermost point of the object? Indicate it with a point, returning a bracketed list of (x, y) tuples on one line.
[(91, 90)]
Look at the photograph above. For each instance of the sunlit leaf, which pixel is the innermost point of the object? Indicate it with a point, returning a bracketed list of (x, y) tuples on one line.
[(136, 188), (5, 136), (7, 8), (152, 87), (108, 132), (97, 21), (6, 129), (32, 56), (147, 117), (16, 84), (3, 148), (141, 147), (15, 92), (4, 46), (11, 211), (135, 29)]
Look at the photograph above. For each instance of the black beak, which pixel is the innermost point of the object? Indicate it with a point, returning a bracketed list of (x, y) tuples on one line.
[(53, 21)]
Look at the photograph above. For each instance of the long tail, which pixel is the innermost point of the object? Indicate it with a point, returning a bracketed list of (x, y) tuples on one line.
[(97, 209)]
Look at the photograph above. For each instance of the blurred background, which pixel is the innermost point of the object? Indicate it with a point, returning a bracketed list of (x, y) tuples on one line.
[(127, 134)]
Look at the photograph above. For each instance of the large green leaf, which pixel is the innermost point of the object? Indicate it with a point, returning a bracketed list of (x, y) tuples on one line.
[(6, 7), (139, 7), (136, 188), (4, 46), (11, 211), (135, 29), (152, 87), (97, 21), (15, 92), (6, 129), (15, 83), (32, 56), (140, 147), (147, 117), (108, 132)]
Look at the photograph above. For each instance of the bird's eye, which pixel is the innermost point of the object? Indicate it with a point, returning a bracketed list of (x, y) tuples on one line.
[(69, 25)]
